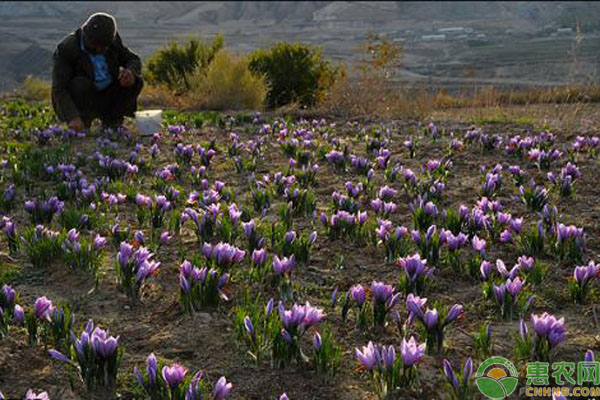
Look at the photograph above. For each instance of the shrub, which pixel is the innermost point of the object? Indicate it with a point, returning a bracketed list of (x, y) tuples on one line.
[(228, 84), (36, 89), (172, 65), (295, 73)]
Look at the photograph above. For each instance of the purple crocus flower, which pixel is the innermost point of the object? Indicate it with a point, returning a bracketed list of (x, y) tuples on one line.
[(317, 342), (358, 294), (285, 335), (151, 368), (387, 193), (449, 372), (485, 268), (433, 164), (30, 206), (226, 254), (431, 318), (290, 236), (57, 355), (18, 315), (283, 265), (589, 356), (584, 274), (381, 292), (9, 294), (516, 224), (367, 356), (73, 235), (249, 327), (388, 356), (414, 266), (9, 193), (99, 242), (31, 395), (222, 388), (454, 313), (502, 270), (376, 204), (164, 238), (503, 218), (146, 268), (526, 262), (383, 229), (259, 257), (174, 375), (431, 209), (415, 305), (547, 326), (312, 237), (124, 254), (139, 237), (499, 292), (313, 315), (104, 346), (467, 370), (411, 351), (269, 308), (361, 217), (184, 284), (335, 157), (248, 227), (479, 245), (42, 308), (505, 236), (522, 329), (154, 150), (323, 219)]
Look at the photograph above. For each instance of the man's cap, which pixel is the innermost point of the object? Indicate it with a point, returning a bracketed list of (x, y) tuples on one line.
[(100, 28)]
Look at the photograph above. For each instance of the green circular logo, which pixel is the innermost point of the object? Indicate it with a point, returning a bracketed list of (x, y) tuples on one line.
[(497, 378)]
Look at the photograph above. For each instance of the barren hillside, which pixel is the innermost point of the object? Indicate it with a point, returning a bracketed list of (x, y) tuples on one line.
[(449, 43)]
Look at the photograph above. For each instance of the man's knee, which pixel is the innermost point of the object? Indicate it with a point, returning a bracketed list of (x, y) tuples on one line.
[(81, 88), (137, 86), (130, 94)]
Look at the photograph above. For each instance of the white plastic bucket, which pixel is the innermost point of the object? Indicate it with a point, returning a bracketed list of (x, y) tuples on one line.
[(149, 122)]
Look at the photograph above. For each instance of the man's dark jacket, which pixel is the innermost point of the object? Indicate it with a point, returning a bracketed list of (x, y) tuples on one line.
[(70, 61)]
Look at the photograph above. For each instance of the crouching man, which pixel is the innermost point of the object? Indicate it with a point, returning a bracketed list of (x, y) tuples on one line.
[(95, 76)]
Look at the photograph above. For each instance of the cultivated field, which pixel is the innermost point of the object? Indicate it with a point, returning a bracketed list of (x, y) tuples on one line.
[(325, 234)]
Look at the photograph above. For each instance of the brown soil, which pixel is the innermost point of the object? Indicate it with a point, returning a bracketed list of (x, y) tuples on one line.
[(206, 340)]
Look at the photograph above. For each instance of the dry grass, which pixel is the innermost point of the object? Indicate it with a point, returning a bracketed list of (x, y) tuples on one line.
[(564, 118), (35, 89), (159, 96), (373, 96), (493, 97), (574, 108), (228, 84)]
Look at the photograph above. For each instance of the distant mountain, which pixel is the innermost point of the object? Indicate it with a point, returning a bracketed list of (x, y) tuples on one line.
[(480, 39)]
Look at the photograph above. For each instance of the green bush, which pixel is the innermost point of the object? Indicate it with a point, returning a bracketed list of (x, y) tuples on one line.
[(173, 64), (228, 84), (295, 73)]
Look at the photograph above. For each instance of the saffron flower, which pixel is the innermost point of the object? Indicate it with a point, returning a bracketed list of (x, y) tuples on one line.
[(412, 352)]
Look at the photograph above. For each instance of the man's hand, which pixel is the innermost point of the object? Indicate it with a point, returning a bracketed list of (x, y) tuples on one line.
[(126, 77), (76, 124)]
